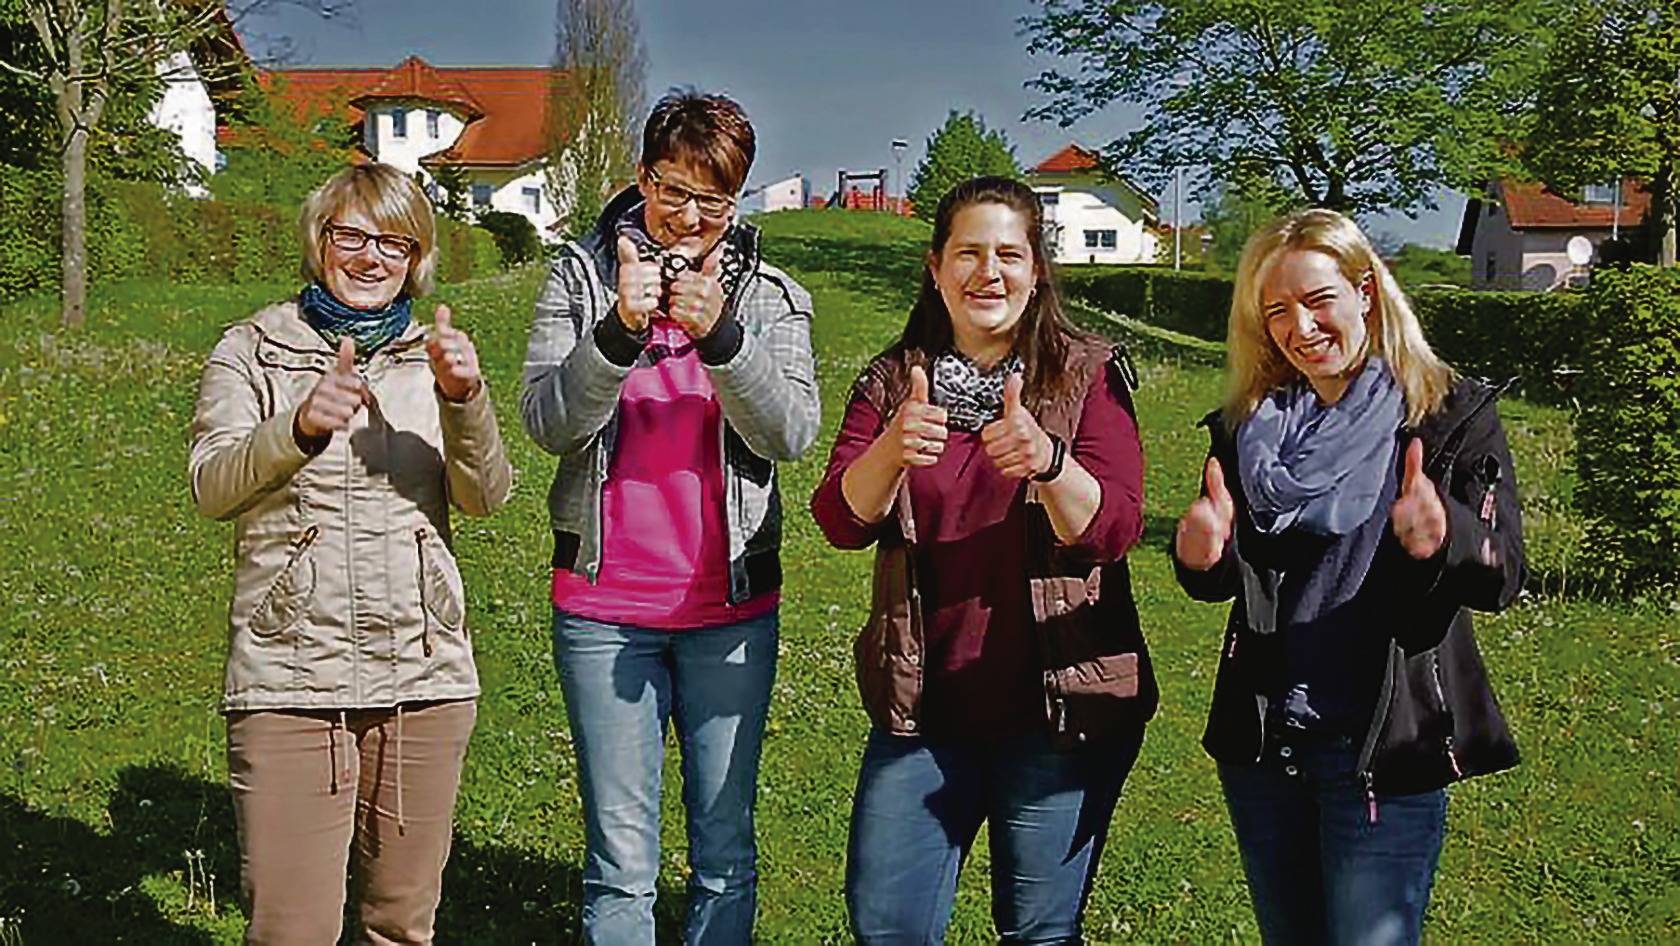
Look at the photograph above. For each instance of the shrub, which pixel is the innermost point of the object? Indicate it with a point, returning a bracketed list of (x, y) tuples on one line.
[(465, 252), (1628, 436), (516, 237), (1191, 303), (1536, 338)]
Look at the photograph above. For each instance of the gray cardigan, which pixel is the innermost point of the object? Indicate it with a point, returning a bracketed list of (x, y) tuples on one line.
[(767, 388)]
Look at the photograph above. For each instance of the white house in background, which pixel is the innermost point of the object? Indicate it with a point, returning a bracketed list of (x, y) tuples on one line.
[(489, 122), (1092, 217), (790, 193), (1517, 234), (185, 109)]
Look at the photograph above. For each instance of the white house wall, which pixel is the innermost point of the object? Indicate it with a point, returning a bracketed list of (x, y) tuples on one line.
[(786, 194), (380, 139), (1530, 259), (508, 194), (1080, 209), (186, 111)]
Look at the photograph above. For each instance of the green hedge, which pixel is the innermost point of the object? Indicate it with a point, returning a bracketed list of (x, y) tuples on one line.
[(1628, 435), (143, 230), (1537, 338), (1192, 303)]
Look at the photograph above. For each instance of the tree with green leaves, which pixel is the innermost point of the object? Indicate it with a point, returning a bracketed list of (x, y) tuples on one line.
[(92, 57), (1609, 107), (1358, 105), (961, 148), (594, 106), (277, 149)]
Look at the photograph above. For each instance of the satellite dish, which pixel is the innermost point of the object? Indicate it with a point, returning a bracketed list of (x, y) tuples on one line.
[(1580, 250)]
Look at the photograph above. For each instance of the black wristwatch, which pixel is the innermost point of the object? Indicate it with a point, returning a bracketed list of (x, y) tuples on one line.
[(1058, 453)]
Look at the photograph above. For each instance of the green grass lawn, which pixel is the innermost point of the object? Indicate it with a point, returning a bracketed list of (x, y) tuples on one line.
[(114, 823)]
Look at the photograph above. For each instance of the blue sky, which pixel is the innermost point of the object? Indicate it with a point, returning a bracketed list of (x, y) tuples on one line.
[(824, 90)]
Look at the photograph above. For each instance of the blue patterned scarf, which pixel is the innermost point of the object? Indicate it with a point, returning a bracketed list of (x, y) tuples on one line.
[(1319, 467), (372, 329)]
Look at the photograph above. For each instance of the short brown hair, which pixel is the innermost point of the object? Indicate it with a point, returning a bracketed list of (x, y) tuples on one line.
[(391, 200), (712, 131)]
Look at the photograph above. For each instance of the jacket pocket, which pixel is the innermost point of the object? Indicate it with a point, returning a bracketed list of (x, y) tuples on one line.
[(887, 653), (288, 596), (441, 593), (1091, 678)]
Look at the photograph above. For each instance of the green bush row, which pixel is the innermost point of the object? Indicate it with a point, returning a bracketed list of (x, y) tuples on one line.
[(141, 229), (1627, 440), (1192, 303), (1533, 337)]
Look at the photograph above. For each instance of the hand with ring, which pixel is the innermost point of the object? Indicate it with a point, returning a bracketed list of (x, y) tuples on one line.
[(639, 286), (918, 426), (453, 357)]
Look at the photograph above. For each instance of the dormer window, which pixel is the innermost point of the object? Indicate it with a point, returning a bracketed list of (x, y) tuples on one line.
[(1598, 194), (399, 124), (432, 118)]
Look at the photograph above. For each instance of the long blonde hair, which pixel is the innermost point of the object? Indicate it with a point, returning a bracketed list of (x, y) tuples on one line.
[(1255, 367)]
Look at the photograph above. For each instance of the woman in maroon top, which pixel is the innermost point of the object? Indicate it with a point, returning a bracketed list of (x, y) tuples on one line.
[(994, 453)]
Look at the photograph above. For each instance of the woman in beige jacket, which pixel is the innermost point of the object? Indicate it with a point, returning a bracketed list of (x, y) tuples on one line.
[(336, 432)]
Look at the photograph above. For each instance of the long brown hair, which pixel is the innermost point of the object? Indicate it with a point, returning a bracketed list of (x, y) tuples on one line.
[(1043, 335)]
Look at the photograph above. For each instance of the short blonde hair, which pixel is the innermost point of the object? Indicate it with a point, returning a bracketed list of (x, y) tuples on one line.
[(1255, 367), (390, 199)]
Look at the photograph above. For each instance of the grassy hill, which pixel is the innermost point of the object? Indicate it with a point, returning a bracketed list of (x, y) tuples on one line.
[(113, 816)]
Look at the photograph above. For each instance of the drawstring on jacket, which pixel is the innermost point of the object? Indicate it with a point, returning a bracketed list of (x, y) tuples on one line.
[(333, 729), (401, 824)]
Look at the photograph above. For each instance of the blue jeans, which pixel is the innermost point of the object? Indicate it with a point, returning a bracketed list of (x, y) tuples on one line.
[(1319, 870), (621, 685), (919, 804)]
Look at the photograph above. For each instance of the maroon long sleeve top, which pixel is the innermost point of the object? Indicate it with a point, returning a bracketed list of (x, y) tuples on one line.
[(981, 673)]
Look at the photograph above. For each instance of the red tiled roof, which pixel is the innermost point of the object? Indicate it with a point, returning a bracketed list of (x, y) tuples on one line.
[(414, 78), (1532, 206), (506, 109), (1070, 159)]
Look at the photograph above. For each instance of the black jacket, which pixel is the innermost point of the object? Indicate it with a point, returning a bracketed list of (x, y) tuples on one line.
[(1436, 718)]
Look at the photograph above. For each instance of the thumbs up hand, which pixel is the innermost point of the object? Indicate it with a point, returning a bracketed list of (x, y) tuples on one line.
[(1419, 519), (1017, 446), (638, 286), (454, 359), (336, 398), (1206, 526), (697, 297), (918, 427)]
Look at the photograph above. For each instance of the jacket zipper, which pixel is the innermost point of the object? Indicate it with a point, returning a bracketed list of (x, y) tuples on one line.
[(1441, 696), (1369, 750), (425, 617)]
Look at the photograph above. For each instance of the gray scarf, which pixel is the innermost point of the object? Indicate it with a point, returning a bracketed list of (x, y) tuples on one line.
[(1319, 467)]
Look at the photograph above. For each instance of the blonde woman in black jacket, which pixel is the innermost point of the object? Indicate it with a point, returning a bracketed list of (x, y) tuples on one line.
[(1358, 499)]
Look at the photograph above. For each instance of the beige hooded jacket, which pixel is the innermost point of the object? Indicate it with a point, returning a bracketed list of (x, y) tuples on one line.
[(346, 593)]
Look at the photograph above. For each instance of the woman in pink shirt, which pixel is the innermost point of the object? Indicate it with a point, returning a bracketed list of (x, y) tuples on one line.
[(669, 367), (992, 457)]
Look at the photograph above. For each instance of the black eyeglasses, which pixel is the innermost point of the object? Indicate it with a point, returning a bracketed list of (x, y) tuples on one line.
[(676, 197), (392, 246)]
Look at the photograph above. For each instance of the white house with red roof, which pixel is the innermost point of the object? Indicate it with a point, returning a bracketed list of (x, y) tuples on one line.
[(1091, 216), (488, 121), (1517, 235)]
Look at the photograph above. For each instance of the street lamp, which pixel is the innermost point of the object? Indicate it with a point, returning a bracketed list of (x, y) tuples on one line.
[(899, 145)]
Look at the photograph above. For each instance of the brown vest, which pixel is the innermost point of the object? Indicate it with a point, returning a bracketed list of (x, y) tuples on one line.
[(1095, 669)]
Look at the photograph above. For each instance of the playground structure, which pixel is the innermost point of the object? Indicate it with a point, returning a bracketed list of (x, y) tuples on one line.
[(849, 196)]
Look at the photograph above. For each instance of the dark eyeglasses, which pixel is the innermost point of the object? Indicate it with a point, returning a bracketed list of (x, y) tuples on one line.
[(676, 197), (392, 246)]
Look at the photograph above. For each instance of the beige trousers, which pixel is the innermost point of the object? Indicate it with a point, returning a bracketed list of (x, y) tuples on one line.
[(311, 788)]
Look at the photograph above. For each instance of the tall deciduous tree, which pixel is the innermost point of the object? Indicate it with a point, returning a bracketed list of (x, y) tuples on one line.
[(1609, 107), (90, 52), (595, 105), (961, 148), (1358, 105)]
